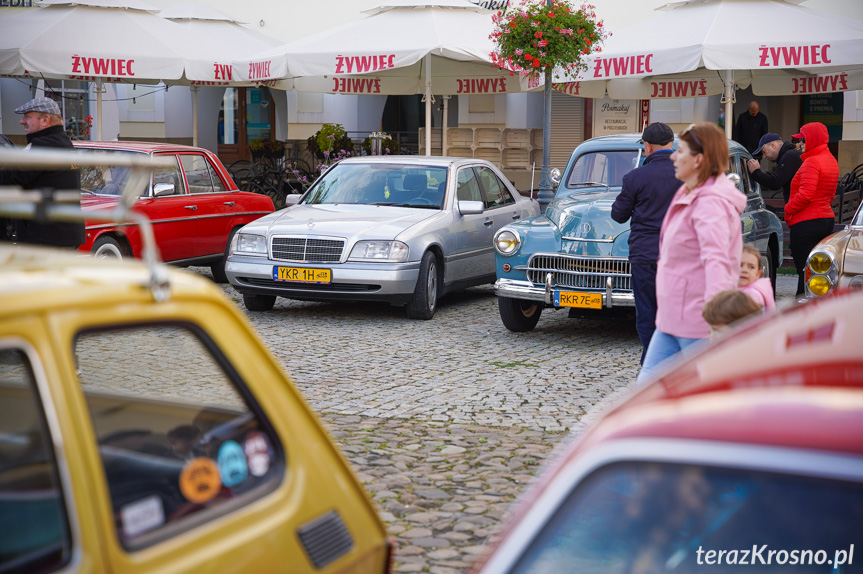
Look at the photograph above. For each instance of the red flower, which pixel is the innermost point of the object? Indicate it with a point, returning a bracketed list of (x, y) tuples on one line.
[(527, 56), (536, 63), (588, 42), (551, 14), (538, 35)]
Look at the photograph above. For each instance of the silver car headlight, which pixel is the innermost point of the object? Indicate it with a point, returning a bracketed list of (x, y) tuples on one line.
[(507, 242), (248, 244), (379, 251)]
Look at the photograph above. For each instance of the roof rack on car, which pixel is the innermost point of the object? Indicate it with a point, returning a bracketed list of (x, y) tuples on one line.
[(64, 204)]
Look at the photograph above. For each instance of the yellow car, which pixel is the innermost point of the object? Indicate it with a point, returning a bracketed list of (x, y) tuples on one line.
[(144, 427)]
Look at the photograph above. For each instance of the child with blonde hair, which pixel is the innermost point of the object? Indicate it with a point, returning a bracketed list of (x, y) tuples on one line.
[(760, 289)]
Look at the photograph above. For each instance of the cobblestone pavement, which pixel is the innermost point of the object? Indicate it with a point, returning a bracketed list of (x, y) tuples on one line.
[(447, 421)]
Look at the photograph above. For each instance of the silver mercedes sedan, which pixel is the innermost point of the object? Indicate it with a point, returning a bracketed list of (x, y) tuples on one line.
[(401, 229)]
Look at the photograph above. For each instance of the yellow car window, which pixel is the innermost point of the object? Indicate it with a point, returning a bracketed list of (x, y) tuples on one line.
[(34, 534), (180, 443)]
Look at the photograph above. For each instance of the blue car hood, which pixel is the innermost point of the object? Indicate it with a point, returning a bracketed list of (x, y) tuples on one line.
[(585, 224)]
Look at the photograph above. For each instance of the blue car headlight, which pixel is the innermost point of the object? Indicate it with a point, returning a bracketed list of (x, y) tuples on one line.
[(379, 251), (507, 242)]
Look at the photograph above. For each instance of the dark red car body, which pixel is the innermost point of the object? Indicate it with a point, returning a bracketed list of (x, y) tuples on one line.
[(192, 225), (777, 402)]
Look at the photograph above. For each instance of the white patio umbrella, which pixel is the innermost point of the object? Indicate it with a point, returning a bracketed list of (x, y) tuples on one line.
[(706, 47), (403, 47), (133, 44), (230, 39)]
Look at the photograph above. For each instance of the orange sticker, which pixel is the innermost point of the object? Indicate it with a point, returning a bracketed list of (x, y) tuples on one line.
[(200, 480)]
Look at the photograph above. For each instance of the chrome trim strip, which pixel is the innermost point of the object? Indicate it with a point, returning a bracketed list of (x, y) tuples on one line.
[(567, 238)]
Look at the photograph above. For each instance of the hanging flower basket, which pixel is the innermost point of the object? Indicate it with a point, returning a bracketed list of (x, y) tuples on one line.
[(535, 36)]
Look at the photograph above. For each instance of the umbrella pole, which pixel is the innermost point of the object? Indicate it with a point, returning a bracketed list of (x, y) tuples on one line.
[(428, 103), (443, 127), (195, 116), (728, 96), (99, 109)]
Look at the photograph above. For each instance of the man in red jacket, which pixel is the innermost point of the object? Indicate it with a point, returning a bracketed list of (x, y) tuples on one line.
[(808, 212)]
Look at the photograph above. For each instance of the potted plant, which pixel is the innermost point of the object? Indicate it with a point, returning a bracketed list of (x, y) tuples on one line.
[(330, 139), (267, 148)]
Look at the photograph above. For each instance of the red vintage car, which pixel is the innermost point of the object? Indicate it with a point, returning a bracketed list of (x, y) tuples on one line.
[(195, 206), (749, 453)]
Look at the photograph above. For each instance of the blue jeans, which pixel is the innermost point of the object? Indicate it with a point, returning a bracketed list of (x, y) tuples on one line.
[(644, 289), (662, 346)]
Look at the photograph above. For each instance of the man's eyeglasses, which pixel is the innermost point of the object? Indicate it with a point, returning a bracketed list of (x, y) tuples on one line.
[(691, 131)]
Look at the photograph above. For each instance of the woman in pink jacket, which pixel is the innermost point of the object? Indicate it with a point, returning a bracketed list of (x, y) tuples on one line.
[(699, 243)]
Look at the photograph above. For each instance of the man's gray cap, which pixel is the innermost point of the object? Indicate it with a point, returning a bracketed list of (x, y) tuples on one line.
[(44, 105)]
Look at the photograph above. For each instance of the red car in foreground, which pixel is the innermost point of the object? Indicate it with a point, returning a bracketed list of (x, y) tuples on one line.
[(750, 453), (195, 206)]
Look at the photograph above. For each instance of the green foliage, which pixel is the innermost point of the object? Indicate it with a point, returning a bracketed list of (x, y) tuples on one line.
[(331, 137), (266, 146), (535, 36)]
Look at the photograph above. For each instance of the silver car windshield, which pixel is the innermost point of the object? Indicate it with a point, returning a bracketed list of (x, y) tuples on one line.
[(602, 168), (381, 184)]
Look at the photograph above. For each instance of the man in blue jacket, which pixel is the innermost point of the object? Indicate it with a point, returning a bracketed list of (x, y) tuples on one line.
[(646, 193)]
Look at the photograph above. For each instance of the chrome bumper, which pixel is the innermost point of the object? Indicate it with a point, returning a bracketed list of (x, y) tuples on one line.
[(516, 289)]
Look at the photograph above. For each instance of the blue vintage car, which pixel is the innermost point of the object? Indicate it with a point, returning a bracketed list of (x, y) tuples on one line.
[(575, 256)]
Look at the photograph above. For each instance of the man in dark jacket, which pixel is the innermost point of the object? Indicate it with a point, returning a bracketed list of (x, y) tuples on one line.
[(787, 158), (43, 126), (750, 127), (646, 193)]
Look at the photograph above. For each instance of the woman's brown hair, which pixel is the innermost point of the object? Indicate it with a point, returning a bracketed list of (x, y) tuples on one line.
[(707, 139)]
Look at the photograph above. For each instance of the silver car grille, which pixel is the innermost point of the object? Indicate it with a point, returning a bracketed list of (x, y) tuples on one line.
[(581, 272), (307, 250)]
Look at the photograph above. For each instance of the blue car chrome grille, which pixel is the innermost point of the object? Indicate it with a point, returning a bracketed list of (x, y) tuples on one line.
[(580, 272), (306, 250)]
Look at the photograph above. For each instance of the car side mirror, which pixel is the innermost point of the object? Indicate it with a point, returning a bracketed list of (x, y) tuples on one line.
[(555, 176), (161, 189), (471, 207), (292, 199)]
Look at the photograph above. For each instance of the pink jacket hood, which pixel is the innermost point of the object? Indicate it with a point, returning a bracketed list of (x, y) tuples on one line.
[(761, 291), (699, 254)]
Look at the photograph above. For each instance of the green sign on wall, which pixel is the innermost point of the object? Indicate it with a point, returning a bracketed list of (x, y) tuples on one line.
[(827, 109)]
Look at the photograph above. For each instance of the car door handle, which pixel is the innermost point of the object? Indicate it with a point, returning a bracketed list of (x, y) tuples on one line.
[(192, 207), (516, 217), (229, 203), (488, 222)]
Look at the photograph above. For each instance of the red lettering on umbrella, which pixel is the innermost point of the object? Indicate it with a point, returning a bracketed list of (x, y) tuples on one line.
[(623, 66), (790, 56)]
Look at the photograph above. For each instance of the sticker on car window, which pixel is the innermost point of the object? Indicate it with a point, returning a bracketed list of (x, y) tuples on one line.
[(257, 453), (200, 480), (142, 515), (232, 464)]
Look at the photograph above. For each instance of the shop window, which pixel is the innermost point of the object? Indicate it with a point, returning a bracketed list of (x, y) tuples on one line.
[(34, 534), (180, 438)]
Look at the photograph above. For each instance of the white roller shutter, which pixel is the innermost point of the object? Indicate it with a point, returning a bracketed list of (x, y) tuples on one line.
[(567, 127)]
